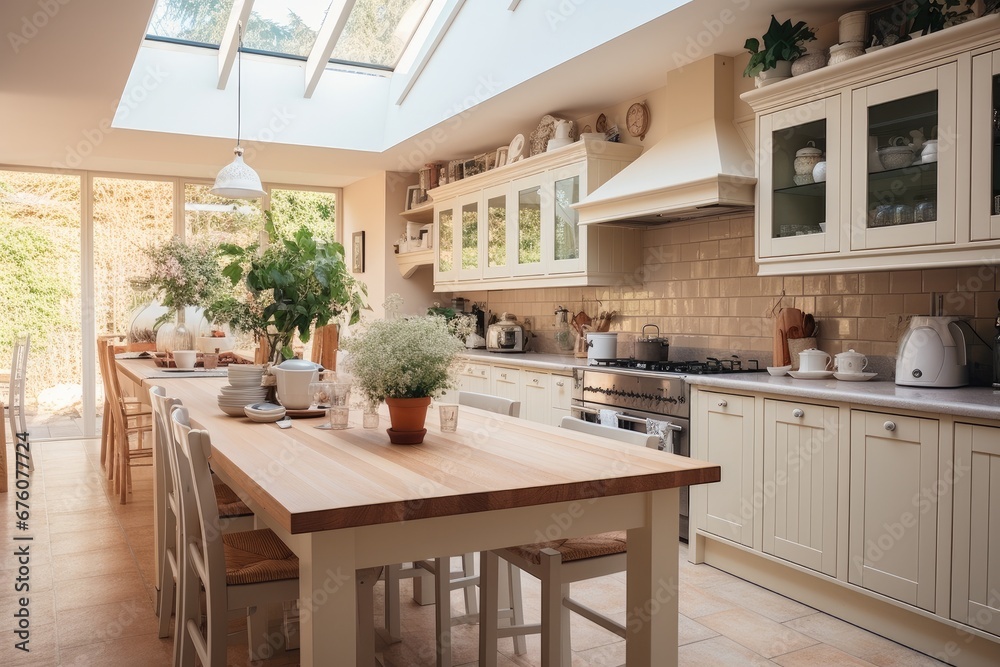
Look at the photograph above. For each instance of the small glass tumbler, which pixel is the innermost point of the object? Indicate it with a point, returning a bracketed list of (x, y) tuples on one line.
[(340, 393), (322, 399), (448, 413), (338, 416), (210, 360), (370, 415)]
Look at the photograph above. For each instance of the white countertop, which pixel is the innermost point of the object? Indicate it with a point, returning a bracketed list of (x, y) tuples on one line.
[(978, 402), (539, 360)]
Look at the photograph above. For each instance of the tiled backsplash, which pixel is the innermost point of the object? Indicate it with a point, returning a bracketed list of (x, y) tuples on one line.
[(699, 285)]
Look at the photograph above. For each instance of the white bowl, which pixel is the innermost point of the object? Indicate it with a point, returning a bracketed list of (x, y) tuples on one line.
[(263, 416), (233, 410), (778, 371), (244, 383)]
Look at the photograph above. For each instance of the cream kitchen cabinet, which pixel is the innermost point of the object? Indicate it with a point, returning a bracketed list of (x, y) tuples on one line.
[(506, 382), (975, 591), (802, 472), (893, 521), (934, 211), (474, 377), (561, 389), (515, 226), (725, 427), (536, 399)]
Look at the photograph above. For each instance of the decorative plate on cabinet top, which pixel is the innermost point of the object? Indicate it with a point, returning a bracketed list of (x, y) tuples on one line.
[(515, 149)]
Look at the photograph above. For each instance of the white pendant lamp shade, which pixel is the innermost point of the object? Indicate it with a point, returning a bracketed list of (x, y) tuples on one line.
[(237, 180)]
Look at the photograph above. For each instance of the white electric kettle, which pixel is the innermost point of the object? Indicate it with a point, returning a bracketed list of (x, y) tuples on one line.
[(294, 376), (932, 354)]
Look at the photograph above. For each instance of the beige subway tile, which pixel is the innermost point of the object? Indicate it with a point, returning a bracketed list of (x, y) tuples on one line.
[(807, 304), (885, 304), (857, 305), (939, 280), (840, 327), (873, 283), (698, 232), (708, 250), (719, 229), (772, 285), (761, 344), (904, 282), (729, 326), (720, 268), (844, 283), (730, 247), (741, 227), (917, 304), (960, 303), (689, 252), (885, 349), (743, 266), (862, 346), (718, 307), (654, 236), (681, 271), (986, 304), (709, 287), (742, 307), (679, 233), (750, 287), (815, 285), (701, 270), (829, 306), (729, 286), (871, 328), (792, 285)]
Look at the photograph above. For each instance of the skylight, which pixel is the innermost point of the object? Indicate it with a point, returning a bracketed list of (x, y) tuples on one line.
[(375, 33)]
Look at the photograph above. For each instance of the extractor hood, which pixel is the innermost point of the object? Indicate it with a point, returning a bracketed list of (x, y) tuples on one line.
[(700, 168)]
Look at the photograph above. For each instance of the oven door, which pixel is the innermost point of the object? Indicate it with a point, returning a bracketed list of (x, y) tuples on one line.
[(635, 420)]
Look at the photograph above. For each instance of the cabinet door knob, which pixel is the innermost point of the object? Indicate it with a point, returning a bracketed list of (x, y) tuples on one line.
[(723, 404), (889, 426), (535, 380), (559, 383), (797, 412)]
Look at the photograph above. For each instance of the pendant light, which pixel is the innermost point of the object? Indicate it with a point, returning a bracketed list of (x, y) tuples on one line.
[(237, 180)]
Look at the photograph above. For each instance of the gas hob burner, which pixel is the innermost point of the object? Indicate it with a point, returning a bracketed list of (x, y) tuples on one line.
[(710, 366)]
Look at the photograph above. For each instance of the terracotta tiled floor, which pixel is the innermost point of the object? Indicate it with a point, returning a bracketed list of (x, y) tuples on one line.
[(91, 598)]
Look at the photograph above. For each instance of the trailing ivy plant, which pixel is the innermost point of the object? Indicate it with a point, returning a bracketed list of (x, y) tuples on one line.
[(782, 41)]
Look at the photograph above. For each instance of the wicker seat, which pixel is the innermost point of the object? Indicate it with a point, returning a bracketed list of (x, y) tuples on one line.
[(233, 512), (556, 565), (237, 571)]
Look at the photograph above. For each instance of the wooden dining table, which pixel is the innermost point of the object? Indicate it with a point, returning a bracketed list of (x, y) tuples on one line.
[(348, 500)]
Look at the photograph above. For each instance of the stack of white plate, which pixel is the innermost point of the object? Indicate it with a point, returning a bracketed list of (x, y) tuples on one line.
[(264, 412), (243, 389)]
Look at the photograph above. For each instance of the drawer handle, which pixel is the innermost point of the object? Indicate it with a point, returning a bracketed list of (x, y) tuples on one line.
[(535, 380), (503, 375), (723, 404), (889, 426), (558, 384), (797, 412)]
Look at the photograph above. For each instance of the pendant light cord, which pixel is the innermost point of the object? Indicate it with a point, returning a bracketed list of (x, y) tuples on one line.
[(239, 82)]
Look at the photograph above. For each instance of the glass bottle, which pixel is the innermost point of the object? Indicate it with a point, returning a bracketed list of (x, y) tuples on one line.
[(564, 339)]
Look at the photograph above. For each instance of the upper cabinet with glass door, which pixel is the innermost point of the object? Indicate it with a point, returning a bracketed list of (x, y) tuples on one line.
[(911, 152), (515, 226)]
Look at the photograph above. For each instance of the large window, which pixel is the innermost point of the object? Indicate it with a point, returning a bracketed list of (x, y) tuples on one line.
[(291, 209), (217, 219), (40, 265)]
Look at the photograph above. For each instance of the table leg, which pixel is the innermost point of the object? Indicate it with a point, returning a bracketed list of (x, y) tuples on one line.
[(652, 586), (327, 599)]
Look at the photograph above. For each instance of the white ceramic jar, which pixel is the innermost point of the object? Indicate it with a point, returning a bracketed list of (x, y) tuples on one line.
[(852, 26), (813, 360), (805, 160), (850, 362)]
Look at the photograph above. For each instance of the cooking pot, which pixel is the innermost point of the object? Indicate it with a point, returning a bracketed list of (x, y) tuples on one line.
[(601, 346), (294, 376), (651, 348)]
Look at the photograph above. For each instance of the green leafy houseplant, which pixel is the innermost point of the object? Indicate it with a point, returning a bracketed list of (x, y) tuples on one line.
[(929, 16), (292, 285), (183, 274), (782, 41)]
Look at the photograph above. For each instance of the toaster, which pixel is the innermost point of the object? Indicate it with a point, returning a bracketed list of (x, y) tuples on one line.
[(507, 335)]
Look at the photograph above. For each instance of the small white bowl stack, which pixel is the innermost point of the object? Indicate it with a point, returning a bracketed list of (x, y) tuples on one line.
[(243, 389)]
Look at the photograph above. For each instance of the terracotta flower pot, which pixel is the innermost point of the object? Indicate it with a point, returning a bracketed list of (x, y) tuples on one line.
[(407, 417)]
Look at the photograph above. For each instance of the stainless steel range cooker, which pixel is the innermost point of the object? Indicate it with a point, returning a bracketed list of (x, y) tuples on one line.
[(634, 392)]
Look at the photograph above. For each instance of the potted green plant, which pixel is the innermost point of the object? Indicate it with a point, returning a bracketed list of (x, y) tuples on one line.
[(783, 43), (291, 286), (929, 16), (404, 361)]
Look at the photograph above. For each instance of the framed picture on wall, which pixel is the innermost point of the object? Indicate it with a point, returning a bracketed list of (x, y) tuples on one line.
[(412, 197), (358, 252)]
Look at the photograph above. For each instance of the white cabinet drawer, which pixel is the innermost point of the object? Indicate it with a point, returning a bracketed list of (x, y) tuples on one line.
[(561, 391)]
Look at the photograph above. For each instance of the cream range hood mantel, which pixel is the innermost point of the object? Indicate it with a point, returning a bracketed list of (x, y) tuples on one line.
[(701, 168)]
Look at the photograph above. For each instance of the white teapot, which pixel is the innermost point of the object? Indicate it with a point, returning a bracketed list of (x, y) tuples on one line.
[(850, 362), (294, 376), (813, 360)]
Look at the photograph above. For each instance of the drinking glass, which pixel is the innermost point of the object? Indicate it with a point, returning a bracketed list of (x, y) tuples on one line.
[(322, 399), (370, 415), (449, 417), (337, 416), (210, 361)]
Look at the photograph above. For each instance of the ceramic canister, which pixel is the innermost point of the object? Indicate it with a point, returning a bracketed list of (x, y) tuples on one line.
[(850, 362), (813, 360)]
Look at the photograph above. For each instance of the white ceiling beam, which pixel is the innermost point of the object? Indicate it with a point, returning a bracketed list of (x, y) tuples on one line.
[(513, 5), (326, 39), (437, 33), (231, 39)]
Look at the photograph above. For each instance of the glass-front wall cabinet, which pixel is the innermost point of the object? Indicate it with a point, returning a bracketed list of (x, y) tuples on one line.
[(529, 227), (904, 175), (566, 231), (445, 268), (985, 212), (800, 176), (497, 260), (469, 253)]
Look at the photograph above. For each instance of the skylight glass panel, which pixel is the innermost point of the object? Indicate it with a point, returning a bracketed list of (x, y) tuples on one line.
[(377, 31), (200, 21), (285, 26)]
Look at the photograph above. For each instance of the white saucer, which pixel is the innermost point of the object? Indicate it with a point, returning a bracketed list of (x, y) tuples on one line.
[(854, 377), (811, 375)]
